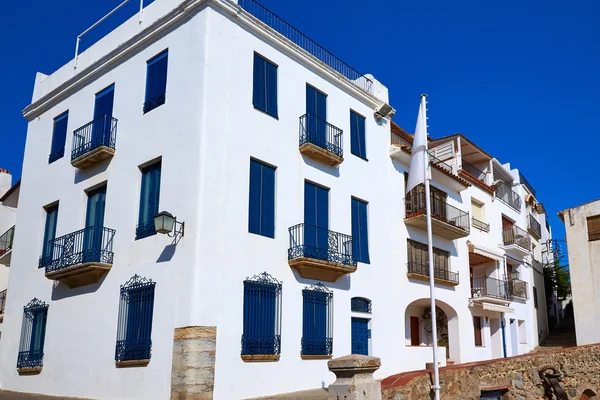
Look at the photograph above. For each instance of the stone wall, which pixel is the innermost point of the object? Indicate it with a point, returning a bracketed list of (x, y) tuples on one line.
[(579, 367), (193, 372)]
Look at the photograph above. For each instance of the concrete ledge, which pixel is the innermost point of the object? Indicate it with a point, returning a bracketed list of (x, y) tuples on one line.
[(316, 356), (425, 278), (132, 363), (438, 227), (260, 357), (321, 270), (80, 274), (92, 157), (321, 154), (29, 371)]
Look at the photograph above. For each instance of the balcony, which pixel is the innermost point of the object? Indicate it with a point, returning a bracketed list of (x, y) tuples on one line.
[(534, 227), (79, 258), (440, 275), (321, 140), (517, 242), (320, 254), (509, 196), (94, 142), (518, 289), (446, 221), (6, 244), (482, 226), (473, 171), (491, 290), (2, 303)]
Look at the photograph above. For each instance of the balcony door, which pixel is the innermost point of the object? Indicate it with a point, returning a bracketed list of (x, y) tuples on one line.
[(94, 224), (316, 116), (316, 221), (103, 109), (438, 203)]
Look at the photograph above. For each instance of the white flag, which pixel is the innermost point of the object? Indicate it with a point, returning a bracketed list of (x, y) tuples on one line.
[(418, 159)]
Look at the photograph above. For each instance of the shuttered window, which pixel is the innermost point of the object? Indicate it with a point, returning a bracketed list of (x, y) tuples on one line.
[(262, 315), (476, 208), (49, 235), (261, 209), (478, 331), (156, 81), (149, 197), (134, 330), (33, 335), (264, 93), (317, 321), (358, 145), (593, 227), (59, 137), (360, 235), (417, 253)]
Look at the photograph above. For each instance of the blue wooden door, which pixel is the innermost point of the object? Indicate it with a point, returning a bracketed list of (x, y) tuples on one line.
[(316, 114), (94, 225), (316, 221), (360, 336), (103, 109)]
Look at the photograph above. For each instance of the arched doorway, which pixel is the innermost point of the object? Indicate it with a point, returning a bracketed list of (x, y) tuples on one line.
[(589, 395)]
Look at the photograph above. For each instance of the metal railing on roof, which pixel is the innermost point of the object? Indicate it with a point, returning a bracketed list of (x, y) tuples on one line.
[(436, 161), (473, 170), (525, 183), (273, 21), (509, 196)]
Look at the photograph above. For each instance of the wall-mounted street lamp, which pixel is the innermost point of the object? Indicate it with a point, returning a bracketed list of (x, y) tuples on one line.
[(164, 222)]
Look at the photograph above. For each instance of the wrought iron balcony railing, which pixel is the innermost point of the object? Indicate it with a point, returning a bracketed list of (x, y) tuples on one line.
[(490, 287), (3, 300), (509, 196), (438, 273), (91, 244), (473, 170), (518, 288), (155, 102), (321, 133), (534, 225), (516, 236), (100, 132), (6, 240), (298, 38), (440, 210), (321, 244), (482, 226)]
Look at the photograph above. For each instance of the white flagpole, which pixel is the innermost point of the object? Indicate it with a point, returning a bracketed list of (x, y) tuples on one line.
[(436, 371)]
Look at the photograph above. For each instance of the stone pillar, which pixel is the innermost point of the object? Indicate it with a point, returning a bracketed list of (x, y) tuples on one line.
[(354, 378), (193, 372)]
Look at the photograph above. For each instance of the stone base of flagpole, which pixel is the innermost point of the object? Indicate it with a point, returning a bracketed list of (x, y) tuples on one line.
[(354, 378)]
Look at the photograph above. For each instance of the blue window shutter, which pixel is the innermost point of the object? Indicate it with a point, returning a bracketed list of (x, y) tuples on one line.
[(59, 137), (357, 135), (149, 201), (261, 207), (316, 321), (104, 102), (262, 315), (271, 78), (156, 81), (260, 82), (49, 232), (316, 221), (360, 336), (355, 230), (254, 210), (364, 232)]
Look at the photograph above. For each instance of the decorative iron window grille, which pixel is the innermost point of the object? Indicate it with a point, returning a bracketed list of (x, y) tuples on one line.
[(262, 315), (321, 244), (321, 133), (360, 304), (91, 244), (100, 132), (33, 332), (134, 330), (317, 320)]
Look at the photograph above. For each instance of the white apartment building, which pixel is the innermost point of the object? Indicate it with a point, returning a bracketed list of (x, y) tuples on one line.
[(9, 201), (294, 241), (582, 225)]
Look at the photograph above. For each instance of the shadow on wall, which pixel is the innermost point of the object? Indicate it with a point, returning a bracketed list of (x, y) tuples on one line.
[(62, 291), (333, 171), (83, 174), (342, 283)]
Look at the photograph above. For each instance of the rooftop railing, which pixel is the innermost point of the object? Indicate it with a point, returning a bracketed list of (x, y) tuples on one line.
[(474, 171), (516, 236), (525, 183), (490, 287), (438, 273), (321, 244), (440, 210), (321, 133), (100, 132), (294, 35), (509, 196), (436, 161), (534, 225), (6, 240)]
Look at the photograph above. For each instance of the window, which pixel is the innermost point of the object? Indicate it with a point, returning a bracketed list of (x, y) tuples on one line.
[(134, 330), (415, 332), (33, 333), (418, 260), (317, 321), (59, 137), (261, 209), (156, 81), (149, 197), (360, 304), (492, 394), (264, 93), (49, 235), (478, 331), (357, 135), (262, 316), (360, 336), (593, 226), (360, 234), (535, 297)]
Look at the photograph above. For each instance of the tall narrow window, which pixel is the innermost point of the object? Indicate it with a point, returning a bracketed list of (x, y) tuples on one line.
[(149, 197), (156, 81), (134, 331), (478, 331), (593, 227), (264, 93), (418, 261), (261, 209), (59, 137), (360, 234), (358, 145), (535, 297), (49, 235), (415, 331), (316, 221), (33, 333), (262, 317), (317, 321)]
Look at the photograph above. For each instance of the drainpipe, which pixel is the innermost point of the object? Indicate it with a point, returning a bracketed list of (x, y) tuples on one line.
[(503, 334)]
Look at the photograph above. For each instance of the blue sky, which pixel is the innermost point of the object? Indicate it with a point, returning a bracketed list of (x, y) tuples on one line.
[(520, 79)]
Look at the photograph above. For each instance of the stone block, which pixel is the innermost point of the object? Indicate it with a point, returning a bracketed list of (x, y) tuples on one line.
[(354, 378)]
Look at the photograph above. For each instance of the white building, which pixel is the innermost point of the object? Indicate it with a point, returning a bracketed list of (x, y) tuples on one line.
[(268, 149), (582, 225), (9, 201)]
